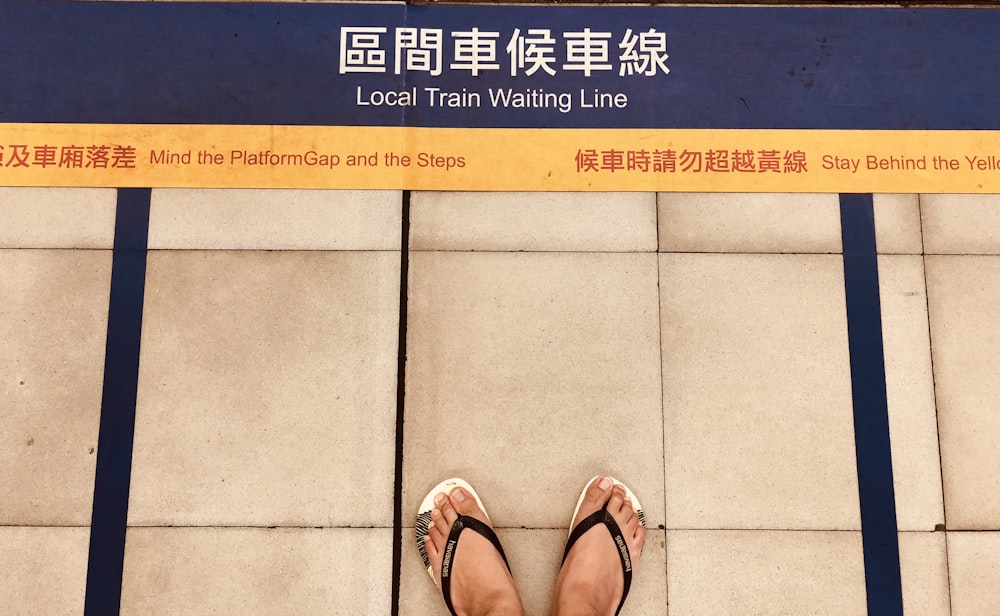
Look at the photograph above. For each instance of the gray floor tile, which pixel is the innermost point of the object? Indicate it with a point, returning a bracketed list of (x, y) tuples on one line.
[(267, 389), (961, 224), (777, 573), (897, 224), (963, 294), (53, 324), (533, 369), (623, 222), (253, 219), (923, 564), (45, 570), (758, 415), (974, 565), (57, 217), (749, 222), (196, 571), (916, 463)]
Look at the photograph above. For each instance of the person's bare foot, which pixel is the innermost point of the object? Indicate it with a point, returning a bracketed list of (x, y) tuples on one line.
[(591, 581), (480, 582)]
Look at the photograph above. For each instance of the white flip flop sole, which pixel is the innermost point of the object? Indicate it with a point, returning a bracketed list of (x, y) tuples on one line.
[(423, 523), (628, 492)]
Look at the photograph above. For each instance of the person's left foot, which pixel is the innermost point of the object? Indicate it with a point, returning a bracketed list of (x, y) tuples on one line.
[(480, 582)]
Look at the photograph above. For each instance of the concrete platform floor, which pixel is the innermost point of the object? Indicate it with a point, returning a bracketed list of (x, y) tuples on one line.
[(693, 345)]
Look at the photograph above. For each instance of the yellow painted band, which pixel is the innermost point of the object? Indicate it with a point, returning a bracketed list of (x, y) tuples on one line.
[(703, 160)]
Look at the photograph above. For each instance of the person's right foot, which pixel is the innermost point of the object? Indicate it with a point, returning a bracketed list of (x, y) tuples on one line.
[(591, 580)]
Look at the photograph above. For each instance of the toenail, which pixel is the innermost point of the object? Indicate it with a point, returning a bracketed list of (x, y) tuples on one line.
[(459, 495), (439, 499), (605, 483)]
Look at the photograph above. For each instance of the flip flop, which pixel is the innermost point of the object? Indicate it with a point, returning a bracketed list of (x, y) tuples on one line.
[(422, 528), (603, 517)]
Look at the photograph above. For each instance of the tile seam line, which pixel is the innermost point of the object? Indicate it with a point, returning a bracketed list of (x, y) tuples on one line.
[(842, 531), (673, 252), (663, 409), (472, 251), (271, 250), (961, 254), (112, 475), (622, 252), (39, 526), (526, 528), (61, 248), (873, 455), (934, 391), (252, 527)]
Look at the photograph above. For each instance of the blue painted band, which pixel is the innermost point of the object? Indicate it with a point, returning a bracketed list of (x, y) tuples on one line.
[(280, 64), (871, 414), (121, 376)]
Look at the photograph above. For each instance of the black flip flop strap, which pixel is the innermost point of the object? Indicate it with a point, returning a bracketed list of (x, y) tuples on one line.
[(451, 547), (603, 517)]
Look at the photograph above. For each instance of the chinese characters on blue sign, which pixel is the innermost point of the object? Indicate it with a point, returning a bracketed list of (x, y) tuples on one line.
[(365, 49)]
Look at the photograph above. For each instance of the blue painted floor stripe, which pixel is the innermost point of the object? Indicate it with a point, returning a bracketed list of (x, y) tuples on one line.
[(121, 375), (871, 414)]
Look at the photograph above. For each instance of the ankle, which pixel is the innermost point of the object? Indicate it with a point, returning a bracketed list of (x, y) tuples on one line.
[(574, 608), (505, 607), (495, 602), (577, 600)]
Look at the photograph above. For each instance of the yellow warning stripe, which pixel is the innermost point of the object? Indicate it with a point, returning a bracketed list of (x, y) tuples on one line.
[(113, 155)]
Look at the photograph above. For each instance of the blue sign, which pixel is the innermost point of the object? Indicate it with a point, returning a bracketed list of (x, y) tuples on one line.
[(493, 66)]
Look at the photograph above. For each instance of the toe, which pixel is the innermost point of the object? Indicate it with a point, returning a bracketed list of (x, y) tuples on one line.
[(431, 544), (465, 504), (617, 501), (597, 493), (631, 520), (633, 530), (440, 526), (437, 535), (638, 541), (448, 513)]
